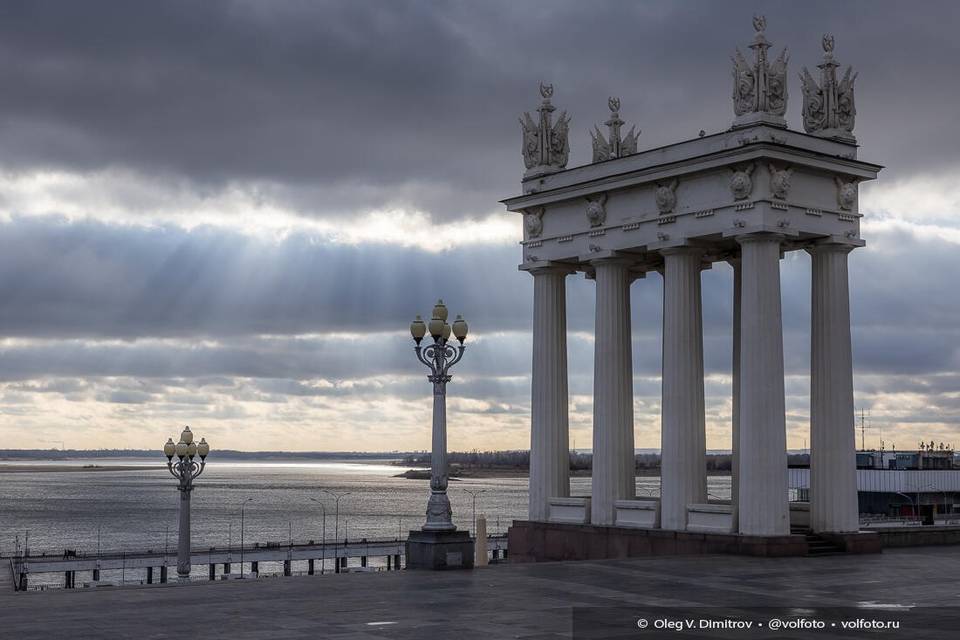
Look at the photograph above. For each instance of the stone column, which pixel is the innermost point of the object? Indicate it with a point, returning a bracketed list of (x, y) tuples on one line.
[(735, 395), (549, 425), (762, 482), (683, 475), (833, 467), (613, 459)]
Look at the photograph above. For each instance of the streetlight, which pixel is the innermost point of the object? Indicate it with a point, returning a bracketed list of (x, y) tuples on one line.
[(439, 357), (336, 528), (438, 544), (242, 507), (474, 493), (185, 470), (323, 544)]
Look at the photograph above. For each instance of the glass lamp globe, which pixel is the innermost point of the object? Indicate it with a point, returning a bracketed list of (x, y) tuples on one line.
[(460, 329), (203, 448), (181, 449), (418, 329), (192, 449), (169, 449), (440, 310), (436, 328), (187, 435), (446, 331)]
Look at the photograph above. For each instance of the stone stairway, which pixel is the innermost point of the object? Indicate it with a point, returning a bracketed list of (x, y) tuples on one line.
[(816, 545)]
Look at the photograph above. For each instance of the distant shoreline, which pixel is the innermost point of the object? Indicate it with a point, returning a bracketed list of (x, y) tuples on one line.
[(66, 468), (461, 473)]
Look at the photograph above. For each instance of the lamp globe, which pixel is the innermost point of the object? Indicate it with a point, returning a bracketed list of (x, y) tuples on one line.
[(460, 329), (169, 449), (440, 310), (418, 329)]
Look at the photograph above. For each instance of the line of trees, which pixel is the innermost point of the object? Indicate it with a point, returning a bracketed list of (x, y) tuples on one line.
[(578, 461)]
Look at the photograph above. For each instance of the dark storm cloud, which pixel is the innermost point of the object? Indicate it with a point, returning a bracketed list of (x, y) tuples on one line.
[(416, 102), (232, 305), (64, 279)]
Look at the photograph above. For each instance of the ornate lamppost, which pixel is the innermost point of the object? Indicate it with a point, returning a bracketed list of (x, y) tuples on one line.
[(185, 470), (438, 544)]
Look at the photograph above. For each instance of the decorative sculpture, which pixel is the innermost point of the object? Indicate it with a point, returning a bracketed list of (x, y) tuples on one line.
[(533, 221), (596, 211), (545, 143), (846, 193), (741, 184), (760, 87), (614, 146), (780, 182), (666, 196), (828, 107)]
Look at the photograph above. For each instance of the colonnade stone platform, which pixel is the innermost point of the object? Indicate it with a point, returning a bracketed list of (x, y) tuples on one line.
[(742, 197)]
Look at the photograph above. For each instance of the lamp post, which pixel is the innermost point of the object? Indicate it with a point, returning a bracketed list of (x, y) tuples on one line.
[(336, 527), (185, 470), (242, 507), (439, 357), (438, 544), (323, 543), (474, 493)]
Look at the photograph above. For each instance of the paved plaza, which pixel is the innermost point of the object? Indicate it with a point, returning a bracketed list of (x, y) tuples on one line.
[(529, 601)]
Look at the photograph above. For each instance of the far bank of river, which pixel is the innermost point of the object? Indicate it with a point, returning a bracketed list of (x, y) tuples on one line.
[(458, 472), (66, 468)]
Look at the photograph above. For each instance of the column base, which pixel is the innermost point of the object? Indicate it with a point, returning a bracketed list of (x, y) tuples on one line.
[(438, 550)]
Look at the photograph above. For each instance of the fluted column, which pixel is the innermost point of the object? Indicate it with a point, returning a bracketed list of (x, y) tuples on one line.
[(762, 483), (735, 396), (549, 422), (683, 476), (613, 458), (833, 474)]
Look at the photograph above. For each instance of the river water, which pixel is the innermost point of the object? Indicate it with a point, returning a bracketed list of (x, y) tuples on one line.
[(137, 510)]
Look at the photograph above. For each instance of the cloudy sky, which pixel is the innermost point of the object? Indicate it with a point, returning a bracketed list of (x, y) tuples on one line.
[(226, 213)]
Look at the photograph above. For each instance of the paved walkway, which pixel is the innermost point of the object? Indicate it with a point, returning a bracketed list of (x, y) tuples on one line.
[(528, 601)]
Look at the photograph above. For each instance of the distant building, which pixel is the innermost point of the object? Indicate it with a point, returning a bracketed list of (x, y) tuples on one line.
[(898, 483), (926, 458)]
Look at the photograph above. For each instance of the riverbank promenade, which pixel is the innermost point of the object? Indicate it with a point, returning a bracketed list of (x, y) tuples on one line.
[(529, 601)]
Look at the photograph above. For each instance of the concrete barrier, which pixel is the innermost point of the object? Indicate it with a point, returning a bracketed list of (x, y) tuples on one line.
[(569, 510), (640, 514), (710, 518)]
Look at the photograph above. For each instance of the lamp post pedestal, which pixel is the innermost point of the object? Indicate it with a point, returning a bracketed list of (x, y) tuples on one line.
[(429, 549)]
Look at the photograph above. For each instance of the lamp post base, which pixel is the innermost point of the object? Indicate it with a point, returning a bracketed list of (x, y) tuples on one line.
[(438, 550)]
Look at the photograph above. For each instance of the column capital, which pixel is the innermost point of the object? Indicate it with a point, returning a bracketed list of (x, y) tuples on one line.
[(547, 266), (830, 246), (688, 250), (759, 237)]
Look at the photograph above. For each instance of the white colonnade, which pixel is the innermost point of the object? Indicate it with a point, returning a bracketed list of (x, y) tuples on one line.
[(759, 478)]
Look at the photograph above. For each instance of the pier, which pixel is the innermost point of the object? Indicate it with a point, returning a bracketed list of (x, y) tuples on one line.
[(297, 559)]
